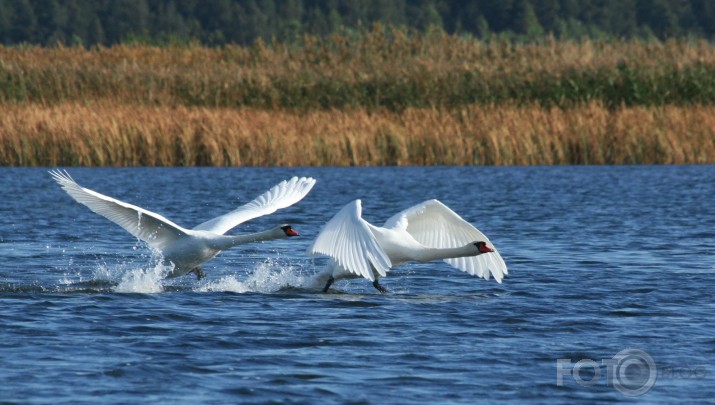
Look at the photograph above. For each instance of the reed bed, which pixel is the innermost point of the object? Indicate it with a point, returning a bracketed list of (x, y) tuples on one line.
[(374, 97), (374, 69), (109, 134)]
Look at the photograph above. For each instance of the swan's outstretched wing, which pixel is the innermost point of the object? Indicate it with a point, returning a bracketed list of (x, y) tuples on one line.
[(282, 195), (150, 227), (348, 240), (433, 224)]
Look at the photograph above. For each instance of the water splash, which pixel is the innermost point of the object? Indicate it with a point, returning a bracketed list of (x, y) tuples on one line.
[(144, 280), (225, 284), (149, 277), (268, 277)]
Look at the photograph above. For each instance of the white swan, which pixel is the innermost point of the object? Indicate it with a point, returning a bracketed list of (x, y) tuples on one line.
[(425, 232), (187, 249)]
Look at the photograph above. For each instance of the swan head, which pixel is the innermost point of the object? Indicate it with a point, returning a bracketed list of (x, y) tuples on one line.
[(288, 230), (482, 247)]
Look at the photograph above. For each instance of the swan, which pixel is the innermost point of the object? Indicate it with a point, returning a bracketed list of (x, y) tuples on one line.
[(428, 231), (185, 248)]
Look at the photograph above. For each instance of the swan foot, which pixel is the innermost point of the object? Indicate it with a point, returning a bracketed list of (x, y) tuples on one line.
[(328, 284), (379, 287), (199, 272)]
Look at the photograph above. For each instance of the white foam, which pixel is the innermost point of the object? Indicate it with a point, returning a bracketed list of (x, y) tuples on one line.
[(225, 284), (105, 273), (144, 280), (269, 276)]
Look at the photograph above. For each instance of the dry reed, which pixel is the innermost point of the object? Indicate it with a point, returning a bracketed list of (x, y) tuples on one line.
[(108, 134), (376, 97)]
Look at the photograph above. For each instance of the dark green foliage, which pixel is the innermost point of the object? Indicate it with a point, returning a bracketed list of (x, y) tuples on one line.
[(219, 22)]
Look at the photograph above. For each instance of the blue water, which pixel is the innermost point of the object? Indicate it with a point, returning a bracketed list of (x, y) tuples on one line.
[(601, 259)]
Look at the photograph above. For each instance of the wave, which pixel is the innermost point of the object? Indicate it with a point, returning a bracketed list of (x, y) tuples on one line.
[(269, 276)]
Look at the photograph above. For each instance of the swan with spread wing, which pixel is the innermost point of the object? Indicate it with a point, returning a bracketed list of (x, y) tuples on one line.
[(186, 248), (425, 232)]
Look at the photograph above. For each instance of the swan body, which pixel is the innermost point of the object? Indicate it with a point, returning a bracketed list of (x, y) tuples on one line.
[(428, 231), (185, 248)]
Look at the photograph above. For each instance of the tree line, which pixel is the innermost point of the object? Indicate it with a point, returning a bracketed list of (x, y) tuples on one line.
[(220, 22)]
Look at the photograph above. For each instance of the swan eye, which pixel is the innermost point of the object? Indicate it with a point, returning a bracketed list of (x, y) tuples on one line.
[(289, 231), (483, 248)]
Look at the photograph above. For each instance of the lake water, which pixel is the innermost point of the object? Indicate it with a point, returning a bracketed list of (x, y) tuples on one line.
[(601, 260)]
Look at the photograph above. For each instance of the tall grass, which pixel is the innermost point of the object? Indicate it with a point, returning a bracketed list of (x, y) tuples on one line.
[(120, 135), (376, 97), (372, 69)]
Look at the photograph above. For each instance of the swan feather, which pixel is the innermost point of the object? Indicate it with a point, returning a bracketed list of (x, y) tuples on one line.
[(282, 195), (349, 240), (435, 225), (148, 226)]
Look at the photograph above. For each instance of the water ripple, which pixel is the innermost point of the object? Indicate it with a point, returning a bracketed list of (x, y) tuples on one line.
[(601, 259)]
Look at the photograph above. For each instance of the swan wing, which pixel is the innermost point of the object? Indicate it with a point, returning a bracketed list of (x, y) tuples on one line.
[(282, 195), (348, 240), (435, 225), (148, 226)]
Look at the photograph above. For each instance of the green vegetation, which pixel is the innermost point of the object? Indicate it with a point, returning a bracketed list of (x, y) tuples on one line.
[(221, 22), (379, 68)]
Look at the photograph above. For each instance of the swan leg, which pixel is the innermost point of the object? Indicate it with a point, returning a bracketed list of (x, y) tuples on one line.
[(328, 284), (379, 287), (199, 272)]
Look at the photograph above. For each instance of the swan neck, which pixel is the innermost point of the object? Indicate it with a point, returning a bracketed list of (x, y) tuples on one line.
[(229, 241), (430, 254)]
